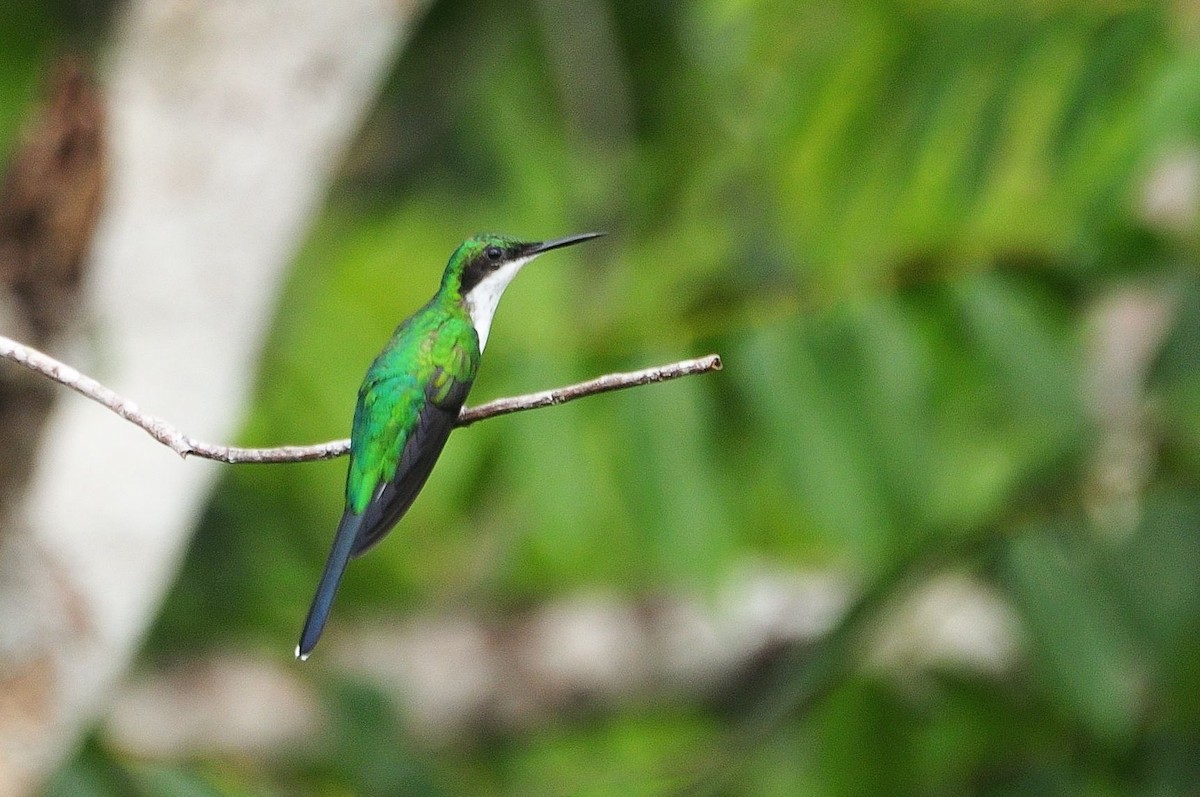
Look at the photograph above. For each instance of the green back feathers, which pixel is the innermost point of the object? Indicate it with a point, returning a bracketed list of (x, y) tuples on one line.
[(431, 360)]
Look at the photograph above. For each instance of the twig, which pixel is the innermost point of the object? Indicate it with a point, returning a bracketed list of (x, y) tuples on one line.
[(186, 446)]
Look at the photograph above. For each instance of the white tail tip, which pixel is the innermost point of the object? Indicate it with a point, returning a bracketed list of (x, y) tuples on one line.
[(299, 656)]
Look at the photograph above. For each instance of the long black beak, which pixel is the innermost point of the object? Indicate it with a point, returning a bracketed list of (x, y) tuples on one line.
[(558, 243)]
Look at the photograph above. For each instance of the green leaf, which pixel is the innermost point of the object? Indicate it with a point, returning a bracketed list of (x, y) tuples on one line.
[(1086, 657)]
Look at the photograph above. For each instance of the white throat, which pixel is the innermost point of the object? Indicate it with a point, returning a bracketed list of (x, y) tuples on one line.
[(481, 300)]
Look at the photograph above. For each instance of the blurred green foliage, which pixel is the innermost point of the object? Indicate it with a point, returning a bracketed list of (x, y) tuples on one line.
[(894, 220)]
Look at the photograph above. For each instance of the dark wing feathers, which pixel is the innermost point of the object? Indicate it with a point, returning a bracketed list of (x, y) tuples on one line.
[(420, 453), (421, 450)]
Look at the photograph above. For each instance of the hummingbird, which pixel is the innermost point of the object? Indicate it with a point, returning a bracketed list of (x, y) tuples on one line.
[(411, 397)]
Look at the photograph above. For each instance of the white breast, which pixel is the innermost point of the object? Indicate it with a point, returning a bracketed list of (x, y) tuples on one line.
[(481, 301)]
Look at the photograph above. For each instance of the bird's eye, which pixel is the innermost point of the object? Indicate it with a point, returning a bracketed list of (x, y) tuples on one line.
[(494, 253)]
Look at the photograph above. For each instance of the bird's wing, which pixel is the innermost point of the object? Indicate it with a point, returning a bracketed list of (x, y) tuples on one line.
[(419, 452), (436, 402)]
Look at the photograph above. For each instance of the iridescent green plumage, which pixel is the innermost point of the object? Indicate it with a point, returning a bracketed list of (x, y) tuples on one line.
[(428, 366), (411, 398)]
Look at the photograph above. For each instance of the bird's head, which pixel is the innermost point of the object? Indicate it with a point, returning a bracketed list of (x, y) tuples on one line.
[(483, 266)]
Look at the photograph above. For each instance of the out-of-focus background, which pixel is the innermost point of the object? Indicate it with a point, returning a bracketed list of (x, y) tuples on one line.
[(934, 529)]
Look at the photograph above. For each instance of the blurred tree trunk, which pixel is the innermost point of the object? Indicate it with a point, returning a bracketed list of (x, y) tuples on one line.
[(224, 121), (48, 207)]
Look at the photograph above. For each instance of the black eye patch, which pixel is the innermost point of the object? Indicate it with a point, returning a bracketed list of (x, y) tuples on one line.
[(480, 266)]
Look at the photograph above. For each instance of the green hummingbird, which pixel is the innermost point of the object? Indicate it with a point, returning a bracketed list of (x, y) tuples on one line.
[(411, 397)]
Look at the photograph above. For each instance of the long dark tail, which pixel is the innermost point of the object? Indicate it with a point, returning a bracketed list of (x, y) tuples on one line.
[(343, 543)]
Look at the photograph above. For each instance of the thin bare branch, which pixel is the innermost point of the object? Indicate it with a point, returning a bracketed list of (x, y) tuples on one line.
[(601, 384), (186, 446)]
